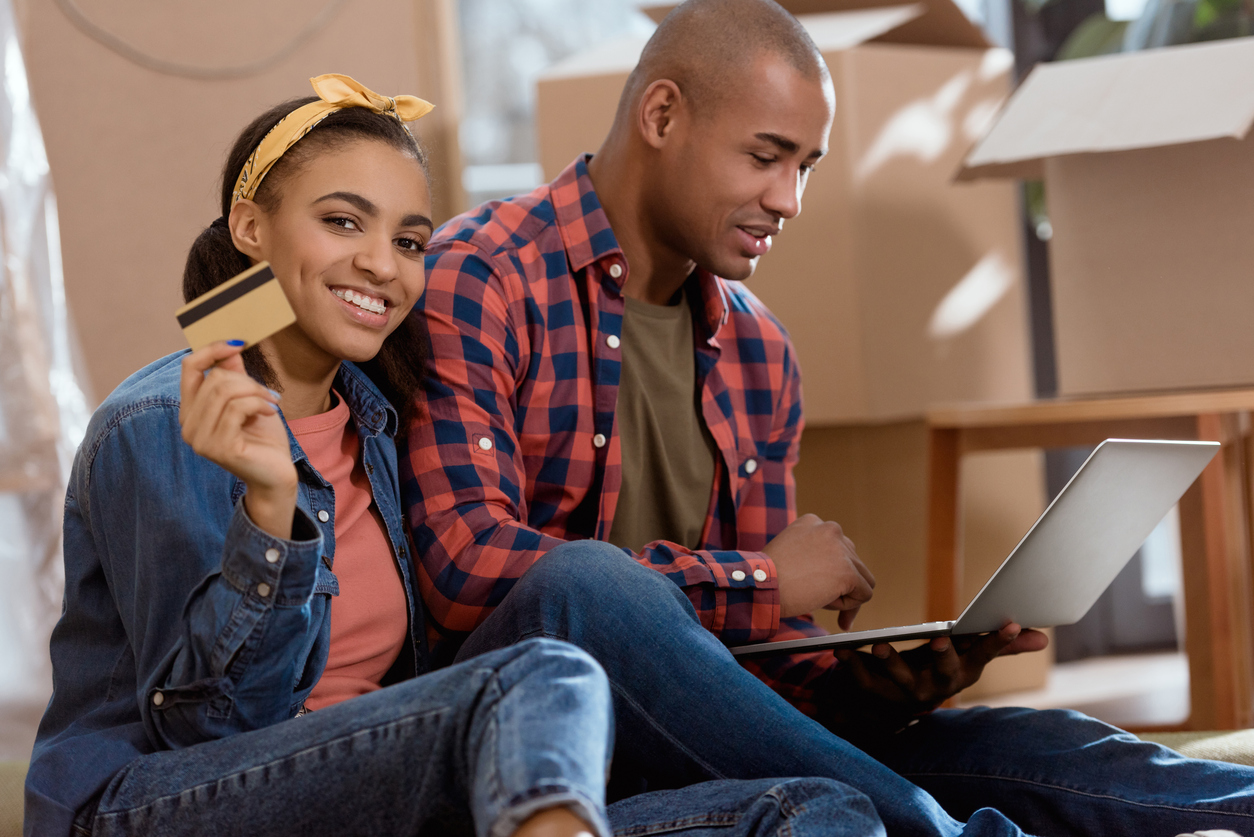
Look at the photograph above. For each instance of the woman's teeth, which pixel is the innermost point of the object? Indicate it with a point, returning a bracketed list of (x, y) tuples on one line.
[(367, 303)]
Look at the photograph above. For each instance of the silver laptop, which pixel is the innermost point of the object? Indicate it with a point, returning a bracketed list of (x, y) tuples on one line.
[(1069, 556)]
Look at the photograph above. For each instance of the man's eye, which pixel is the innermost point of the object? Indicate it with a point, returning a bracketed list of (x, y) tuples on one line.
[(765, 161)]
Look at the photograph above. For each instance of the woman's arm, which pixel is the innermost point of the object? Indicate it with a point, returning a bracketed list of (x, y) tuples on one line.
[(233, 421), (220, 614)]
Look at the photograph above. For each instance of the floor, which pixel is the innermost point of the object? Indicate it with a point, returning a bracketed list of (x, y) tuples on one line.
[(1137, 690)]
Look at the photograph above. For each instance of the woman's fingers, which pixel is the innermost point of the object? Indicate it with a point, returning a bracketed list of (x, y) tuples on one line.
[(197, 363), (203, 414)]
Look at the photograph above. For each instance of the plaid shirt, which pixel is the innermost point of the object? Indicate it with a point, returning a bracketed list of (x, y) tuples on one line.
[(521, 450)]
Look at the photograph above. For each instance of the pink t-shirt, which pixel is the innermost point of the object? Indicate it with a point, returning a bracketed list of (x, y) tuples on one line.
[(370, 617)]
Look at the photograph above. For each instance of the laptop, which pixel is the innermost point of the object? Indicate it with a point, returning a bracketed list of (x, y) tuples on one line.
[(1069, 556)]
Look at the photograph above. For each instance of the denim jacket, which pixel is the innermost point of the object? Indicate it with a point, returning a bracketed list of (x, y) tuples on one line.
[(182, 621)]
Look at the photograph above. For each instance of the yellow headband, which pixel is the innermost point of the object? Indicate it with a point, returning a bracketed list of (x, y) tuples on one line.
[(335, 92)]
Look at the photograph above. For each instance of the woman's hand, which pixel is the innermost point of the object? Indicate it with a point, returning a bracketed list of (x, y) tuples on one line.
[(233, 421)]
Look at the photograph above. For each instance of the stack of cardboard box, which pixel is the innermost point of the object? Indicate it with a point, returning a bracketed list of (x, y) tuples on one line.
[(1149, 180), (899, 287)]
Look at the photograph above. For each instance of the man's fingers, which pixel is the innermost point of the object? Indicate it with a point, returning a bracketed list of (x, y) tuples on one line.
[(990, 646), (862, 569), (867, 681), (846, 617), (1026, 642), (895, 667)]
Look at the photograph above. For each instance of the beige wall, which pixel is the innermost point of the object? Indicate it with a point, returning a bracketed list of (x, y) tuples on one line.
[(136, 155)]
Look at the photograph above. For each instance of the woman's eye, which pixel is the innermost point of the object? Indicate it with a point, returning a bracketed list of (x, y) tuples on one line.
[(412, 244), (343, 223)]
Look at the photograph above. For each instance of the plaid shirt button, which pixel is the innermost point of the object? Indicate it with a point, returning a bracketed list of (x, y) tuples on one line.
[(598, 440), (759, 575), (616, 270), (485, 443), (613, 342), (738, 575), (751, 466)]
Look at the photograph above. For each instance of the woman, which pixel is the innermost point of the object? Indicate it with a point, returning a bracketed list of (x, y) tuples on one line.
[(201, 539), (240, 638)]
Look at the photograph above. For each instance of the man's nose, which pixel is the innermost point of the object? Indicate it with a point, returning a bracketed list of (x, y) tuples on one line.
[(783, 199)]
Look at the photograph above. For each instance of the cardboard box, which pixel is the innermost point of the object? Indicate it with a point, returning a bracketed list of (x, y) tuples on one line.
[(1149, 179), (899, 287)]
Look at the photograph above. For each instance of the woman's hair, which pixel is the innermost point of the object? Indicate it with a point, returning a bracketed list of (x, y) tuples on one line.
[(398, 367)]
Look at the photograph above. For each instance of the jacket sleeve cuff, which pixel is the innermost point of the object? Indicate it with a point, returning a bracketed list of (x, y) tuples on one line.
[(279, 569)]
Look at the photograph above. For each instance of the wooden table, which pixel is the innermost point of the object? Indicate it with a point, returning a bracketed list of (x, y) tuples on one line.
[(1215, 517)]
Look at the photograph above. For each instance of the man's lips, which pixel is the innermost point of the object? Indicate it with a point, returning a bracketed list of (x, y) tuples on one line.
[(755, 241)]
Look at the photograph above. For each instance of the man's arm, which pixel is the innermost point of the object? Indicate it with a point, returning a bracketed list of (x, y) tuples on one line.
[(464, 478)]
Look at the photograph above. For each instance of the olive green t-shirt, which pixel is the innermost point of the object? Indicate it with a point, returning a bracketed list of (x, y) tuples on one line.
[(668, 454)]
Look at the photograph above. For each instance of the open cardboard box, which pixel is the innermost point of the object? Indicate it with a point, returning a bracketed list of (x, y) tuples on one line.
[(1149, 179), (899, 287)]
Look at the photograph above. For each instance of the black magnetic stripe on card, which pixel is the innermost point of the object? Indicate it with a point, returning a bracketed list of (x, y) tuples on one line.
[(225, 298)]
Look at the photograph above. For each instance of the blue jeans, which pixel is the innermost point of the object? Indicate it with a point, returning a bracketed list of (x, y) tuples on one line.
[(489, 742), (686, 712), (475, 748)]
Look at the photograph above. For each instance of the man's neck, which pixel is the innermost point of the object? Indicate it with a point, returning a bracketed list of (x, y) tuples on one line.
[(655, 272)]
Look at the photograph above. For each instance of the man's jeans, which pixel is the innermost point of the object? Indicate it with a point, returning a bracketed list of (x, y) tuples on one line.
[(475, 748), (686, 712)]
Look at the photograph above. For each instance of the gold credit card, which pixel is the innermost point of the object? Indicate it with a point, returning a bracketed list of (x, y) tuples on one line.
[(249, 307)]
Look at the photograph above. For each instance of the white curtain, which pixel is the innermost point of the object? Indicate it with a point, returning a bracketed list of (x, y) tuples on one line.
[(43, 411)]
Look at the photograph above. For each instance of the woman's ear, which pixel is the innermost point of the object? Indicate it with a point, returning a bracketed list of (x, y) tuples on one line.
[(245, 222)]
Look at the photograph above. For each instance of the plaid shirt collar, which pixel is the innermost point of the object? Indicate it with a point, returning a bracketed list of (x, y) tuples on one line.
[(588, 240)]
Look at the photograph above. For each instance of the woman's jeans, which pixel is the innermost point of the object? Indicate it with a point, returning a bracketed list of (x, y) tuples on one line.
[(687, 712), (475, 748)]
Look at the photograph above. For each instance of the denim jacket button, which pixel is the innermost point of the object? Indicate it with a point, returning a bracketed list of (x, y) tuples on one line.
[(272, 556), (158, 699), (738, 575), (263, 589), (323, 516)]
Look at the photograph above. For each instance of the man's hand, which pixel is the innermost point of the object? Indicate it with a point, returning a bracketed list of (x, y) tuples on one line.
[(881, 691), (817, 567)]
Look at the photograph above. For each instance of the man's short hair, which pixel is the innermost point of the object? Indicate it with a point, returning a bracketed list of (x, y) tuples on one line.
[(703, 45)]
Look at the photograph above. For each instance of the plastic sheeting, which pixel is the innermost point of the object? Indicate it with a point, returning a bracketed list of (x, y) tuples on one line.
[(43, 412)]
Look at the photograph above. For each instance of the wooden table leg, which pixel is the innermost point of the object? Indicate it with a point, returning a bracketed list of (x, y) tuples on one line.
[(944, 569), (1216, 586)]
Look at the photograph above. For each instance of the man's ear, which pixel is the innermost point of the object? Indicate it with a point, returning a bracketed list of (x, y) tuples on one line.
[(659, 108), (245, 223)]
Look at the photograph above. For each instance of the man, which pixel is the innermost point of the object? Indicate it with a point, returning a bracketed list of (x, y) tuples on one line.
[(598, 372)]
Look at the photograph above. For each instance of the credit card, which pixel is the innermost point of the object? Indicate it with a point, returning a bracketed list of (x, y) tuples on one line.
[(249, 307)]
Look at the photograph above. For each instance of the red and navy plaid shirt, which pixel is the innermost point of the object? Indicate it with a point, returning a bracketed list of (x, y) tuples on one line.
[(521, 452)]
